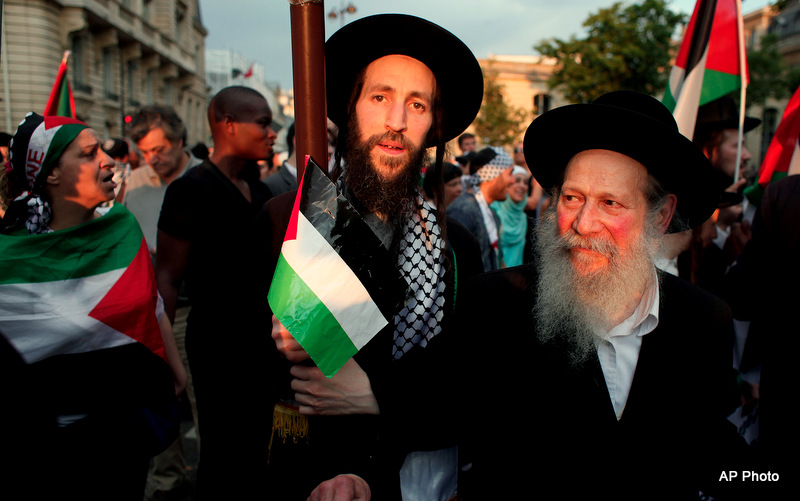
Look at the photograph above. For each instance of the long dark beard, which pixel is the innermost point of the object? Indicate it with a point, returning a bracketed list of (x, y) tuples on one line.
[(393, 199), (572, 307)]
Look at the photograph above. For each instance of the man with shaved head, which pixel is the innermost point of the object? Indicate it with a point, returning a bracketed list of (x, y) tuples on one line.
[(204, 236)]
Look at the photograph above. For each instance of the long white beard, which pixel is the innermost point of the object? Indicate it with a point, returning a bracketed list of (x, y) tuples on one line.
[(576, 308)]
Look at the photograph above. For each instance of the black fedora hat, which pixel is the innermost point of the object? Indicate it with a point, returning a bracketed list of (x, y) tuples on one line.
[(357, 44), (637, 126), (722, 113)]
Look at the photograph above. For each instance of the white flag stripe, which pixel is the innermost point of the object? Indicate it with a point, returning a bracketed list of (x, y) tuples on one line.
[(687, 99), (794, 163), (51, 309), (333, 282)]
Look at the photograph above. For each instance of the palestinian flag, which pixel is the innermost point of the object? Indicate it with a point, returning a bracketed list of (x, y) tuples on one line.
[(708, 63), (80, 289), (783, 154), (61, 102), (335, 285)]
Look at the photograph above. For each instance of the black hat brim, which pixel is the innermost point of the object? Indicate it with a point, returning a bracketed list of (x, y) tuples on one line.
[(458, 74), (555, 137), (749, 124)]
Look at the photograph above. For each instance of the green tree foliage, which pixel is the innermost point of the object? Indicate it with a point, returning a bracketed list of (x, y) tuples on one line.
[(627, 47), (769, 74), (498, 123)]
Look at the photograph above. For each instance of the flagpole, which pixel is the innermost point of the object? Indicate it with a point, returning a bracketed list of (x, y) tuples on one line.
[(743, 88), (308, 67)]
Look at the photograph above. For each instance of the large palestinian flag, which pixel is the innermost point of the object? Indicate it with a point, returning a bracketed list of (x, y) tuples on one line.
[(335, 285), (708, 65), (80, 289), (783, 155)]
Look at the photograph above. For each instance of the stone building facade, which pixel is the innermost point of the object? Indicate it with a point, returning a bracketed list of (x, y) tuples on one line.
[(123, 54)]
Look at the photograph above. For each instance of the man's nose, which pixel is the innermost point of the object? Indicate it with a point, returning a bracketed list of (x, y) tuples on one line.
[(396, 117), (586, 221)]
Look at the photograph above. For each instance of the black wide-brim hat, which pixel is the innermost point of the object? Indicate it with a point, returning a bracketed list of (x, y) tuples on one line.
[(635, 125), (457, 72), (723, 113)]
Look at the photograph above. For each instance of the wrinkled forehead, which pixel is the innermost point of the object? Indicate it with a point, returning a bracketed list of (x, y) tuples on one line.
[(398, 66)]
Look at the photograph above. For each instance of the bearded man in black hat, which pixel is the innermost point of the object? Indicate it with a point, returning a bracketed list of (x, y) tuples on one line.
[(628, 368), (392, 94), (717, 134)]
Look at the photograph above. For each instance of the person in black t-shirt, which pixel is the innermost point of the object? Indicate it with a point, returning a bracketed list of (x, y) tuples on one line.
[(204, 237)]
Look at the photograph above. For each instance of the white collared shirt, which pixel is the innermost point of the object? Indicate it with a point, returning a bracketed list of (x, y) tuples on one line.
[(618, 351)]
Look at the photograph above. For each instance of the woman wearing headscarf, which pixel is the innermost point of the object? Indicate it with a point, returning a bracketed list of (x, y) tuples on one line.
[(513, 219), (79, 304)]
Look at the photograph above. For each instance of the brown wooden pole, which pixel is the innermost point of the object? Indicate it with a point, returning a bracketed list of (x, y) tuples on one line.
[(308, 67)]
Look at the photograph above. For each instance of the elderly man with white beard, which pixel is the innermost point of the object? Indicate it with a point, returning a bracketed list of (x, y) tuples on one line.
[(623, 372)]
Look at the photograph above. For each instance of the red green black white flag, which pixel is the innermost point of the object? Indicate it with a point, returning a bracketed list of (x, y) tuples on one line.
[(709, 62), (61, 102), (335, 285), (80, 289), (783, 155)]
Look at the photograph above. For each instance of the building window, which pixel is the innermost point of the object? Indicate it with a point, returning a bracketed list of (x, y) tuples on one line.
[(169, 91), (541, 103), (108, 75), (131, 71), (78, 63), (149, 87)]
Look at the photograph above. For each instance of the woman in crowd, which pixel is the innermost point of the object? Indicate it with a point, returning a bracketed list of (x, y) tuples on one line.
[(514, 229), (79, 305)]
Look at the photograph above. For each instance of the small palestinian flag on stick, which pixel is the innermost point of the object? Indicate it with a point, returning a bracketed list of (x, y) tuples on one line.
[(61, 102), (335, 285)]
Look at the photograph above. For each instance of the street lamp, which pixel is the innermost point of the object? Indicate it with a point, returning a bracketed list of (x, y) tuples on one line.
[(350, 9)]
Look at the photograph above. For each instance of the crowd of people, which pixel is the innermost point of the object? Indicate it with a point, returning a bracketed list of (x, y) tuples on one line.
[(595, 311)]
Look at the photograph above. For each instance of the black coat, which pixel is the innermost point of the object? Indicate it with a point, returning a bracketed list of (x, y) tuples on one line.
[(763, 288), (544, 426), (417, 394)]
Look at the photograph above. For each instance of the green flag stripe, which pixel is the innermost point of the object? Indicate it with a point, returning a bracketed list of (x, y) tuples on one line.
[(64, 109), (320, 334), (717, 84), (98, 246)]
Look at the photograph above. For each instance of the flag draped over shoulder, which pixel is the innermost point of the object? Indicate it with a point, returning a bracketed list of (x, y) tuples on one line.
[(708, 65), (61, 102), (335, 284), (80, 289), (783, 155)]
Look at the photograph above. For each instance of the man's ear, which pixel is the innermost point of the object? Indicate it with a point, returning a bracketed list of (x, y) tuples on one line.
[(667, 212), (230, 124)]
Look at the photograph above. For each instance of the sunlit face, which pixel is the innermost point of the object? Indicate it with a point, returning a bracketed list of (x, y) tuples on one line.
[(254, 135), (724, 157), (396, 106), (601, 198), (84, 172), (467, 144), (164, 156), (519, 189), (452, 190)]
